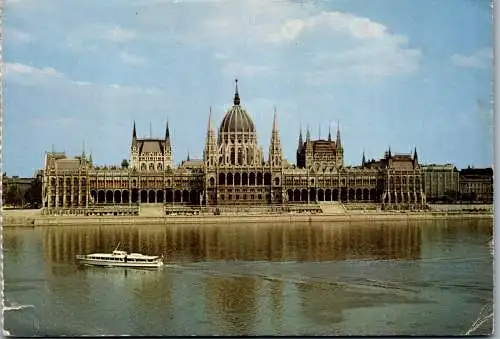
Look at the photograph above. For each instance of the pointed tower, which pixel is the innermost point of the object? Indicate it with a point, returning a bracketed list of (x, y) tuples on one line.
[(275, 155), (299, 156), (134, 150), (415, 158), (329, 134), (363, 160), (83, 150), (236, 100), (339, 157), (167, 149), (309, 149), (301, 141), (338, 142), (210, 151)]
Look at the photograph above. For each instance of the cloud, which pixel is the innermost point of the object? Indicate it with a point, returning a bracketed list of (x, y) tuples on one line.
[(265, 38), (264, 35), (17, 36), (31, 76), (104, 100), (132, 59), (480, 59), (236, 69), (87, 37), (116, 34)]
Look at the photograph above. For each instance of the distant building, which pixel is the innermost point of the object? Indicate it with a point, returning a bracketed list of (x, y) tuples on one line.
[(233, 172), (476, 184), (441, 182)]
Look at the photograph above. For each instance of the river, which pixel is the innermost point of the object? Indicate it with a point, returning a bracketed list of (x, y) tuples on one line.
[(431, 277)]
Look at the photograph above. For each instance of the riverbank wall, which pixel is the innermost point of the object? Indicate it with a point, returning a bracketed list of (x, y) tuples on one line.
[(11, 218)]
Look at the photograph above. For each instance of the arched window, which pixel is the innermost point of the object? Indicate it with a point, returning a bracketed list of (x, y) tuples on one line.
[(233, 156), (276, 181), (160, 166), (211, 181), (143, 167), (151, 167), (240, 157)]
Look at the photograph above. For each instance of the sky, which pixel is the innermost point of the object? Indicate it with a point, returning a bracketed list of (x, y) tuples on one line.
[(398, 73)]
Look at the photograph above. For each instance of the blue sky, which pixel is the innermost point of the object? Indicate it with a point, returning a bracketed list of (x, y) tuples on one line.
[(403, 73)]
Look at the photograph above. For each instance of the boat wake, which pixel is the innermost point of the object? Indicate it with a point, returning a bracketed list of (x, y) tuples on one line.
[(16, 307)]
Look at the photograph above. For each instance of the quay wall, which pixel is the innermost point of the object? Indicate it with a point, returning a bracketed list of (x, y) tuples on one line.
[(11, 219)]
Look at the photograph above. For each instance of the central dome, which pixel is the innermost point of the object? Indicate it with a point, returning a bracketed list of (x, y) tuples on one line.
[(236, 119)]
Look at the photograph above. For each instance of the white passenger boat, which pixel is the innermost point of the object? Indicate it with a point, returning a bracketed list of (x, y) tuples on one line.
[(121, 259)]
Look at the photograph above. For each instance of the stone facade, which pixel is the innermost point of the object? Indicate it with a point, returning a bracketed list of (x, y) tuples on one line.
[(441, 182), (233, 172), (476, 184)]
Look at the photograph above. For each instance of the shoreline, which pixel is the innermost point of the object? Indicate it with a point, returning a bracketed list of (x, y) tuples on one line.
[(38, 220)]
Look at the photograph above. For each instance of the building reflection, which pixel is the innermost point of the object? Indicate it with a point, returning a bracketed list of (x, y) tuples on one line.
[(276, 304), (231, 303), (278, 242)]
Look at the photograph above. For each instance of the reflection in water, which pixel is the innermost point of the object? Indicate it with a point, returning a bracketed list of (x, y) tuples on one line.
[(232, 301), (279, 242), (281, 279)]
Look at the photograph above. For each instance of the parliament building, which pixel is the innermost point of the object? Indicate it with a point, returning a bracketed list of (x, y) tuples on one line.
[(233, 174)]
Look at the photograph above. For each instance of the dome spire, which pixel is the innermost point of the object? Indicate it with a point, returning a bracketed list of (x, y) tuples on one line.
[(236, 100)]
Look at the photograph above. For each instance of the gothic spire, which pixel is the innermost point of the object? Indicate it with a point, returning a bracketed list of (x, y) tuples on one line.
[(236, 100), (329, 133), (338, 134), (301, 141), (167, 133), (308, 134), (134, 133), (275, 121), (83, 150), (415, 155), (363, 160), (209, 127), (390, 154)]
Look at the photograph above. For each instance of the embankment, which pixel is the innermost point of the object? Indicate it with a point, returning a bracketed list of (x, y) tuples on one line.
[(34, 218)]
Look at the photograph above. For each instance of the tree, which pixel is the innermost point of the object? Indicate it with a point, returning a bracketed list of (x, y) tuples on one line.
[(14, 196), (33, 195), (124, 163)]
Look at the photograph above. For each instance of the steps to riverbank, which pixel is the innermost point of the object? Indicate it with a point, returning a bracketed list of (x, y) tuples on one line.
[(152, 210), (332, 207)]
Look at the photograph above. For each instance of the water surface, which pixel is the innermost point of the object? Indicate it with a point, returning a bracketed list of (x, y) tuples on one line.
[(375, 278)]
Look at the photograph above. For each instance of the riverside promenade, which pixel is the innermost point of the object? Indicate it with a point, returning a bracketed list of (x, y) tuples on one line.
[(35, 217)]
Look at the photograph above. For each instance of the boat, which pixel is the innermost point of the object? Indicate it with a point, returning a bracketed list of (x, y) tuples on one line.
[(121, 259)]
